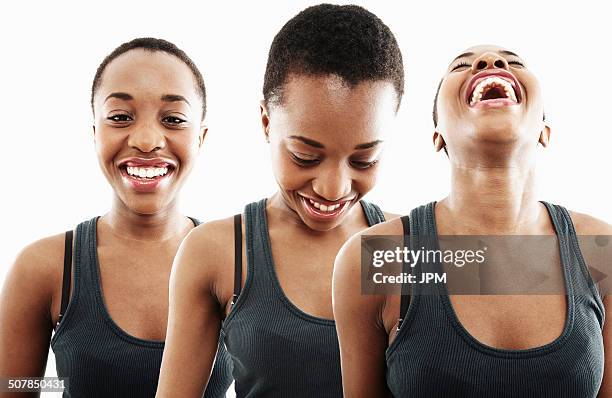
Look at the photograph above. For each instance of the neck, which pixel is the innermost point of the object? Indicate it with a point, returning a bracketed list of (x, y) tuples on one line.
[(493, 199), (128, 224)]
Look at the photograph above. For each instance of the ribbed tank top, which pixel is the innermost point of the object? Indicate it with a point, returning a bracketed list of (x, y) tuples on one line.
[(434, 356), (277, 349), (98, 357)]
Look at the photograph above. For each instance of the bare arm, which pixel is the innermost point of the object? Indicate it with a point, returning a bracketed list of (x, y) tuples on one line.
[(25, 311), (195, 315), (361, 331)]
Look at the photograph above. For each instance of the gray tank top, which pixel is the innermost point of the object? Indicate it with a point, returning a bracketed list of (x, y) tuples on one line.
[(434, 356), (277, 349), (98, 357)]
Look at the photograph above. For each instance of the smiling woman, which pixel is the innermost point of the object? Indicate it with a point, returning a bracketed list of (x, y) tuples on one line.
[(332, 87), (110, 313), (488, 116)]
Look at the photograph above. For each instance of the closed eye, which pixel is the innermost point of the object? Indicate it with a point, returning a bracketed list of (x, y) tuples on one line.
[(304, 162), (363, 165), (460, 65)]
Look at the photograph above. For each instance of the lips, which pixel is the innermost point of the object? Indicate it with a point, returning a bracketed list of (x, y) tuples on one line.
[(495, 87), (146, 175), (323, 210)]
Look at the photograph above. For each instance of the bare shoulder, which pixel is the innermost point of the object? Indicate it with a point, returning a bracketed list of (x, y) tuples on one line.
[(393, 226), (207, 249), (37, 270), (213, 235), (349, 255), (589, 225), (390, 216), (41, 262)]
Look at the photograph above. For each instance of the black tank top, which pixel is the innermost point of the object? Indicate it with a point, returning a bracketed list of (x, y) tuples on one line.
[(98, 357), (434, 356), (277, 349)]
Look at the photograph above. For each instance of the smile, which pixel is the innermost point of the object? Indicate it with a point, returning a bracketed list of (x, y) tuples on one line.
[(145, 175), (147, 172), (496, 87), (324, 212)]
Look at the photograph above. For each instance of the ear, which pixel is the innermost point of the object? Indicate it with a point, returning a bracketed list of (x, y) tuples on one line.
[(265, 119), (545, 136), (202, 135), (438, 141), (93, 127)]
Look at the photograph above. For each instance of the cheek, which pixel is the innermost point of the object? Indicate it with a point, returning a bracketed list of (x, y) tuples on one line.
[(288, 175), (365, 181), (108, 144), (449, 104), (184, 146)]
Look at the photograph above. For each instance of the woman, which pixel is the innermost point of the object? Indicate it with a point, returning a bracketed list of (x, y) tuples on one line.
[(489, 119), (332, 86), (148, 100)]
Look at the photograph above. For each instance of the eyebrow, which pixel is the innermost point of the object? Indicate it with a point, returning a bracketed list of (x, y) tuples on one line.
[(317, 144), (122, 96), (368, 145), (506, 52), (173, 98), (467, 54), (165, 97), (307, 141)]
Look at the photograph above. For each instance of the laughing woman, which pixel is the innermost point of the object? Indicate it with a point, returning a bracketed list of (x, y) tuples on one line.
[(149, 103), (488, 118), (332, 86)]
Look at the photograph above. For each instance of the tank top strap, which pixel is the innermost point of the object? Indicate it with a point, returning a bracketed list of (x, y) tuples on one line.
[(85, 259), (422, 221), (258, 251), (575, 266), (372, 213)]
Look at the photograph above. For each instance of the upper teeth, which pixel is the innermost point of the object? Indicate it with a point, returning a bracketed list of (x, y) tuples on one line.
[(492, 81), (147, 172), (324, 207)]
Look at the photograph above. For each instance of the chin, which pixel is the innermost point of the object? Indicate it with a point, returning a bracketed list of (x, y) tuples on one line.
[(146, 206), (322, 227), (496, 129)]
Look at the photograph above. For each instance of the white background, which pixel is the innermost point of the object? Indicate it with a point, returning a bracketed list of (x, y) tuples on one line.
[(50, 52)]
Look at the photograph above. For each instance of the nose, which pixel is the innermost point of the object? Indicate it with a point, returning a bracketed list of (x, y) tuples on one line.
[(489, 60), (147, 138), (333, 183)]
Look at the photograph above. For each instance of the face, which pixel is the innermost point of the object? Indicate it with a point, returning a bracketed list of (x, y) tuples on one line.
[(147, 128), (326, 141), (488, 96)]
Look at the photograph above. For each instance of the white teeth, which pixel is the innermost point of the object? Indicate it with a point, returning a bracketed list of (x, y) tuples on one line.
[(492, 81), (147, 172), (324, 208)]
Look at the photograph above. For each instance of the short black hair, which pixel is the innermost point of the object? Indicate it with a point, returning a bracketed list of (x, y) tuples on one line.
[(348, 41), (153, 45)]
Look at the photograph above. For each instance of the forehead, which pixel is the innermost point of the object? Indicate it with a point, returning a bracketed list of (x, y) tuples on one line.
[(326, 106), (332, 94), (142, 71)]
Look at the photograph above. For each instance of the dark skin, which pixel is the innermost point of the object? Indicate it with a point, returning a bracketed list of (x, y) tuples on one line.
[(325, 140), (491, 151), (142, 231)]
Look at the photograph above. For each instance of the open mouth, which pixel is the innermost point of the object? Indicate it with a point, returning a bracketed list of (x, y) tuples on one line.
[(498, 87), (145, 175), (324, 211), (146, 172)]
